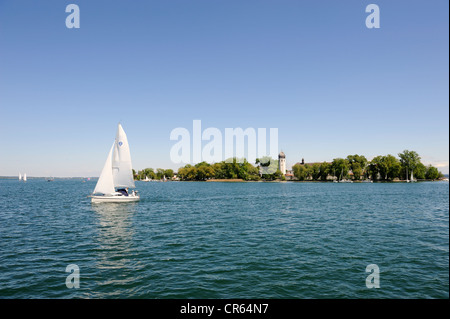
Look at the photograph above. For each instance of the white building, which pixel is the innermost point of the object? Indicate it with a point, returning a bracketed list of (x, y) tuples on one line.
[(282, 162)]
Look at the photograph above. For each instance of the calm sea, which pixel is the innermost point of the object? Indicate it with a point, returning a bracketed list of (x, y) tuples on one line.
[(225, 240)]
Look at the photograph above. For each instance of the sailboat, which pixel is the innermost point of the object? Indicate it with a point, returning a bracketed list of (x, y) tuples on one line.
[(24, 177), (412, 177), (20, 176), (117, 176)]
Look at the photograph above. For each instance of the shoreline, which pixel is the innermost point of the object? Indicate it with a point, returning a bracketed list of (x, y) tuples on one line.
[(237, 180)]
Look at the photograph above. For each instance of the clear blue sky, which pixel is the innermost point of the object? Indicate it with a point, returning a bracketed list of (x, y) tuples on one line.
[(310, 68)]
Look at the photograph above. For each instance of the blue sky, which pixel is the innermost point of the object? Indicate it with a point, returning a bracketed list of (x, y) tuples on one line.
[(309, 68)]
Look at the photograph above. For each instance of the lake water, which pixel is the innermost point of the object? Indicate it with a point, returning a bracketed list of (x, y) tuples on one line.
[(225, 240)]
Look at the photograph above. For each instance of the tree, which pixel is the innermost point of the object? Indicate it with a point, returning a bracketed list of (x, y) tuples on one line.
[(267, 165), (340, 167), (229, 169), (358, 164), (420, 171), (191, 173), (219, 170), (268, 168), (168, 173), (357, 170), (409, 161), (392, 166), (384, 167), (148, 172), (314, 171), (159, 173), (300, 171), (182, 172), (376, 167), (324, 170), (432, 172)]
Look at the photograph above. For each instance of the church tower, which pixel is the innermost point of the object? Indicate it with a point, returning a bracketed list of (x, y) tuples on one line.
[(282, 162)]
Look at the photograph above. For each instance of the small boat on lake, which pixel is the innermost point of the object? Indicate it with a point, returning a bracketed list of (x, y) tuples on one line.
[(117, 176)]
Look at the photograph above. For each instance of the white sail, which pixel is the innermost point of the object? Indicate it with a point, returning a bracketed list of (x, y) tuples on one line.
[(24, 177), (121, 164), (105, 183), (20, 177)]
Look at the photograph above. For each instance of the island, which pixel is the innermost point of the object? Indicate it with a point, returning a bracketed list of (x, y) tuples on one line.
[(383, 168)]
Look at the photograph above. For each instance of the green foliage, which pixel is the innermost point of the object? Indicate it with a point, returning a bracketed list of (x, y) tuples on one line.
[(375, 168), (391, 166), (230, 169), (147, 172), (314, 171), (409, 161), (268, 168), (358, 164), (159, 173), (340, 168), (324, 170), (420, 171), (300, 171), (168, 173), (432, 172), (386, 167)]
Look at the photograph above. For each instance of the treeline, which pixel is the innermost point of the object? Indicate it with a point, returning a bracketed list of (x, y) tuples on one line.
[(355, 167), (152, 174), (230, 169), (380, 168)]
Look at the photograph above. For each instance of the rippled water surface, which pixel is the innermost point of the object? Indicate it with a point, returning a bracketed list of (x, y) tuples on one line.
[(225, 240)]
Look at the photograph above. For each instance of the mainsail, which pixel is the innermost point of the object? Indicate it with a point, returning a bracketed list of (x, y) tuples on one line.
[(121, 165), (117, 172)]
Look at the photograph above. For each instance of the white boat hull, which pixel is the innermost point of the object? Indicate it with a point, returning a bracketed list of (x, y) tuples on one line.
[(113, 199)]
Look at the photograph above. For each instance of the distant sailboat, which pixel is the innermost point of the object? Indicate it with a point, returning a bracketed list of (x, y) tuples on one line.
[(116, 174), (20, 177), (24, 177), (412, 177)]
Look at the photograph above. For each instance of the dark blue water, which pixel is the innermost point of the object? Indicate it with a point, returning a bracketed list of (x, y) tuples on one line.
[(225, 240)]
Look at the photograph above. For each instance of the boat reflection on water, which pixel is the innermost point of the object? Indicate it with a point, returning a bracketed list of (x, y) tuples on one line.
[(115, 258)]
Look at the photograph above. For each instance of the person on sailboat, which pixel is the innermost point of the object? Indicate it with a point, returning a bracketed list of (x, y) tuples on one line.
[(124, 191)]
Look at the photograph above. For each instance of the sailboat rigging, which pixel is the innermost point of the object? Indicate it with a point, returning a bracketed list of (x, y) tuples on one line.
[(116, 176)]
